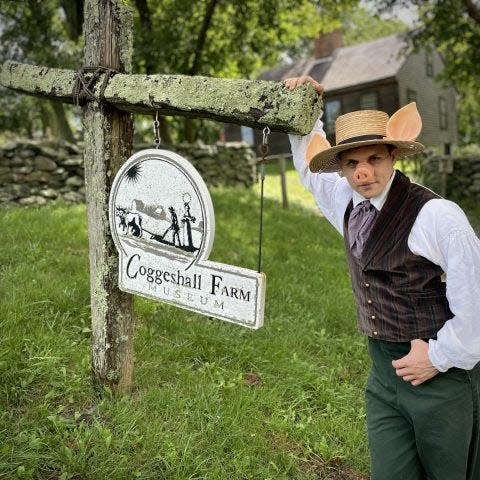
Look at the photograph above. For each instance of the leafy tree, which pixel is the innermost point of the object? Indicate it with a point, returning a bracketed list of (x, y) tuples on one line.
[(35, 31), (469, 113), (362, 26), (224, 38), (453, 27)]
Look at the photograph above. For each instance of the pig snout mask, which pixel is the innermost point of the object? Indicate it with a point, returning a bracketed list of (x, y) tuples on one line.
[(363, 174)]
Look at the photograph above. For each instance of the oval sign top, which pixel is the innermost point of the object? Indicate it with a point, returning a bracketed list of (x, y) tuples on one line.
[(160, 203)]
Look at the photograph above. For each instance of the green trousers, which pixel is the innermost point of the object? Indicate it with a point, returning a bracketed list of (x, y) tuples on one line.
[(428, 432)]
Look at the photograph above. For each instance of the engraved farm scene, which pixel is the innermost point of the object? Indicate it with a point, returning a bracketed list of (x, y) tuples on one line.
[(159, 216)]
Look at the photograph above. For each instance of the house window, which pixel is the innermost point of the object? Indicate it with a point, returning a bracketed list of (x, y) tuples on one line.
[(429, 64), (247, 135), (442, 112), (411, 95), (333, 109), (369, 101)]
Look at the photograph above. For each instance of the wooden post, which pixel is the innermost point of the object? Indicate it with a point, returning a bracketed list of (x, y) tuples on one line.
[(108, 143), (283, 181)]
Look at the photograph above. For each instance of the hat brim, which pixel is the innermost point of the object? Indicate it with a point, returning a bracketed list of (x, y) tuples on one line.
[(328, 161)]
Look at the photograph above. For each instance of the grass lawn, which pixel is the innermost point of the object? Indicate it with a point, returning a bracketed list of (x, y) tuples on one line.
[(211, 400)]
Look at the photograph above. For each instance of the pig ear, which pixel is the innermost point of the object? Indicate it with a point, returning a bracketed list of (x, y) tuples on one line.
[(405, 124), (317, 144)]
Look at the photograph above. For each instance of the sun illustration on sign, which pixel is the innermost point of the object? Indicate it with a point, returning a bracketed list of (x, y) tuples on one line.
[(133, 173)]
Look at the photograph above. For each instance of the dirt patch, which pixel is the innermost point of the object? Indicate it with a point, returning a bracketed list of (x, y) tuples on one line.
[(333, 469), (252, 379)]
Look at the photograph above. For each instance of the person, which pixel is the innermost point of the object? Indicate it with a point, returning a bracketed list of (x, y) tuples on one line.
[(174, 227), (414, 263)]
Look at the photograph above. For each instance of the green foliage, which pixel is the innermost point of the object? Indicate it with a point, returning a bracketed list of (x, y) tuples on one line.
[(362, 26), (469, 113), (35, 31), (453, 28), (211, 400), (242, 38), (211, 37), (225, 38), (441, 23), (20, 114)]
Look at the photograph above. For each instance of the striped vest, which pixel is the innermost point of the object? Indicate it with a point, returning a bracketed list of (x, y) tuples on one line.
[(399, 295)]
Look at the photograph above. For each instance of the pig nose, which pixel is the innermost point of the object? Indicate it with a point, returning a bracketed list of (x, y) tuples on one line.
[(363, 173)]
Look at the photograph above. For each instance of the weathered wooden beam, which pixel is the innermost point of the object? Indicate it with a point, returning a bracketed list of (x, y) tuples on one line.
[(246, 102), (108, 142)]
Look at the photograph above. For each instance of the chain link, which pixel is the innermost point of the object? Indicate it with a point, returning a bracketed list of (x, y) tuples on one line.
[(264, 152), (156, 131)]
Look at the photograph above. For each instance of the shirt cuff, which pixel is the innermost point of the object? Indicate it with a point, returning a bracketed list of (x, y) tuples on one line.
[(438, 359)]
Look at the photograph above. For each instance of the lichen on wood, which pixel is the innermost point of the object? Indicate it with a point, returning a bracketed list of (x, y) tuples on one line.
[(40, 81), (247, 102), (254, 103), (108, 139)]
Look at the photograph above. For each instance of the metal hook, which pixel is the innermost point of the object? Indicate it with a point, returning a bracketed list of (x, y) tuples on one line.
[(264, 152), (156, 131), (266, 133), (264, 146)]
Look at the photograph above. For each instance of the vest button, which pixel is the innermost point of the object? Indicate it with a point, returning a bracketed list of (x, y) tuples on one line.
[(369, 301), (373, 317), (367, 285), (375, 333)]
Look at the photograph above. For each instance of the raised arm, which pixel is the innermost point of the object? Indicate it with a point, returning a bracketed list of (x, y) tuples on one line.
[(331, 192)]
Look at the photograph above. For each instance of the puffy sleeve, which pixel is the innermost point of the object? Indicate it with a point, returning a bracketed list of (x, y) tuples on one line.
[(446, 238), (331, 191)]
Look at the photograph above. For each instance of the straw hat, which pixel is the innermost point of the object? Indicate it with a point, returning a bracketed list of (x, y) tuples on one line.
[(367, 127)]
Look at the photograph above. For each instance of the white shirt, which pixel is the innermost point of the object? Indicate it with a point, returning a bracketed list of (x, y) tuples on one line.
[(441, 233)]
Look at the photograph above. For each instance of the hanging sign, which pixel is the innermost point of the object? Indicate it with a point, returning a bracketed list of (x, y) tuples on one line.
[(163, 225)]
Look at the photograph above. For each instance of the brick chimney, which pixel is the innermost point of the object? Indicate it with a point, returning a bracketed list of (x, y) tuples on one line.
[(327, 43)]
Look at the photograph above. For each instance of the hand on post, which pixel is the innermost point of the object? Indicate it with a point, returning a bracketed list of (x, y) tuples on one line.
[(294, 82), (415, 367)]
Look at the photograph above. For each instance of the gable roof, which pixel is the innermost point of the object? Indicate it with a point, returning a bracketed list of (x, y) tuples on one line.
[(349, 66), (366, 62)]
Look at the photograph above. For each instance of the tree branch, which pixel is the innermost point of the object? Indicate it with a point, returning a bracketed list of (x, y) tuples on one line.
[(74, 17), (472, 10), (144, 14), (202, 36)]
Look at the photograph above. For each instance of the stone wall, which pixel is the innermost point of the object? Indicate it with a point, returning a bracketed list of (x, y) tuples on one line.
[(231, 163), (33, 173), (37, 173)]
